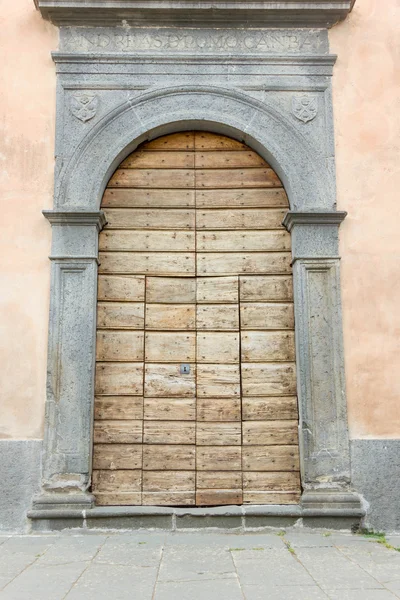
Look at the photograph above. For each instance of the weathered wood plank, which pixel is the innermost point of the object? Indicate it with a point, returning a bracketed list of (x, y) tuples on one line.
[(169, 498), (117, 481), (150, 218), (152, 198), (117, 456), (266, 288), (250, 241), (217, 316), (215, 381), (250, 497), (163, 178), (227, 263), (115, 315), (232, 178), (267, 346), (163, 380), (173, 141), (215, 159), (264, 481), (120, 346), (119, 378), (143, 159), (217, 290), (169, 481), (222, 480), (169, 458), (218, 347), (118, 498), (269, 408), (151, 263), (218, 497), (219, 458), (169, 432), (266, 316), (152, 241), (270, 433), (218, 409), (270, 458), (218, 434), (118, 432), (170, 409), (204, 140), (118, 407), (237, 218), (171, 316), (171, 347), (269, 379), (246, 198), (122, 288), (171, 290)]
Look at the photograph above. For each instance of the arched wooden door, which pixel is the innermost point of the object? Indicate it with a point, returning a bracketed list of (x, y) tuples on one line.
[(195, 378)]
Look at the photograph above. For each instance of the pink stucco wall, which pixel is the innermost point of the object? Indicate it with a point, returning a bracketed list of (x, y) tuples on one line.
[(366, 101)]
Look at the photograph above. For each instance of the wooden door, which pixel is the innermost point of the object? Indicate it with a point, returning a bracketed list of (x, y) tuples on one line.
[(195, 380)]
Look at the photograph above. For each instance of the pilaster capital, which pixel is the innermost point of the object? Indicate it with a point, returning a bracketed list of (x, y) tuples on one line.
[(293, 218), (76, 218)]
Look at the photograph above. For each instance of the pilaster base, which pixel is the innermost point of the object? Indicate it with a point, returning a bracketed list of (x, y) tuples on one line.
[(56, 501)]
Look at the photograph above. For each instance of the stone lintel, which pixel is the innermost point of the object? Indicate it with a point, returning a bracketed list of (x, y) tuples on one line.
[(293, 218), (76, 218)]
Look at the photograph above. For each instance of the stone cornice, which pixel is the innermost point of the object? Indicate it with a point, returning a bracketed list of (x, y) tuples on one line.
[(76, 218), (293, 218), (198, 13)]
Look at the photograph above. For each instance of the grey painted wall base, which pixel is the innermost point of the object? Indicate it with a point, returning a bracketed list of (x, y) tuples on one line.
[(376, 476), (19, 480)]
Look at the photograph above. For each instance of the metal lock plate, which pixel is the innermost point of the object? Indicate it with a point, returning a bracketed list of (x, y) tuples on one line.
[(185, 369)]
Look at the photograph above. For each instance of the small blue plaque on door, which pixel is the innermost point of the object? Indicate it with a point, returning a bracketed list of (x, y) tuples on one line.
[(185, 369)]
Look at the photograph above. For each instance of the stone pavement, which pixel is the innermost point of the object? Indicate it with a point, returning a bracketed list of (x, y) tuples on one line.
[(291, 565)]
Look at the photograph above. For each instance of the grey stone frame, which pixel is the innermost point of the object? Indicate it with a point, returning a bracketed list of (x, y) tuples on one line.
[(135, 97)]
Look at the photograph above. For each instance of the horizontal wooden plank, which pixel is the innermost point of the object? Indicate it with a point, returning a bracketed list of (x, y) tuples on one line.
[(218, 497), (218, 347), (115, 315), (121, 288), (127, 480), (117, 456), (217, 316), (215, 159), (217, 290), (227, 263), (151, 263), (204, 140), (174, 141), (226, 178), (170, 347), (151, 198), (158, 178), (218, 381), (270, 458), (120, 346), (145, 240), (118, 432), (218, 409), (170, 290), (219, 458), (170, 409), (162, 380), (150, 218), (118, 498), (119, 378), (266, 346), (223, 480), (266, 288), (218, 434), (237, 218), (169, 458), (269, 379), (264, 481), (266, 315), (250, 241), (171, 316), (118, 407), (169, 498), (169, 481), (169, 432), (270, 433), (143, 159), (266, 408), (251, 497), (246, 198)]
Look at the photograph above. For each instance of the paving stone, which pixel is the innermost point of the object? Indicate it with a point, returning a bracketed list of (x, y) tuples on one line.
[(259, 592), (224, 540), (186, 563), (381, 563), (301, 539), (394, 540), (114, 582), (271, 567), (199, 590), (17, 553), (360, 595), (68, 549), (131, 550)]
